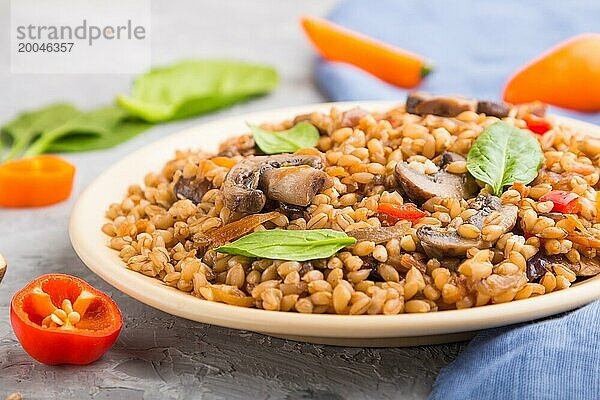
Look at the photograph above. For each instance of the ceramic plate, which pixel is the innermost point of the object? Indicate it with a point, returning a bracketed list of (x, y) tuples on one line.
[(364, 330)]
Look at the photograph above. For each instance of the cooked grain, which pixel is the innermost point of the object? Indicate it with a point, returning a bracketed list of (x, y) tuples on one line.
[(153, 230)]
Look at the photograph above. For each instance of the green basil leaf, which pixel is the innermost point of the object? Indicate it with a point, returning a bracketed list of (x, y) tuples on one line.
[(503, 154), (301, 136), (195, 87), (279, 244)]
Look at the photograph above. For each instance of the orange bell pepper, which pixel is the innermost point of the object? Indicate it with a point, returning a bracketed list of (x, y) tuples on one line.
[(566, 76), (35, 181), (60, 319), (388, 63)]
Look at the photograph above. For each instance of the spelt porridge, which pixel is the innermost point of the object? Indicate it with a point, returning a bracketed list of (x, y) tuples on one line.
[(388, 204)]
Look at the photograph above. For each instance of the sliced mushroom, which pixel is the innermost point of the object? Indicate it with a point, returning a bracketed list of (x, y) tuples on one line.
[(378, 235), (536, 108), (540, 263), (487, 204), (191, 188), (586, 267), (493, 108), (445, 106), (558, 181), (556, 216), (446, 242), (244, 190), (290, 211), (448, 157), (295, 185), (421, 187)]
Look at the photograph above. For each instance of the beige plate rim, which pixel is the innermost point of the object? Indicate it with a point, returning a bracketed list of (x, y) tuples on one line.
[(91, 246)]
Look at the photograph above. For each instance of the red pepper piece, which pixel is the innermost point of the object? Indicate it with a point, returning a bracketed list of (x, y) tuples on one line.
[(537, 124), (401, 211), (564, 202), (60, 319)]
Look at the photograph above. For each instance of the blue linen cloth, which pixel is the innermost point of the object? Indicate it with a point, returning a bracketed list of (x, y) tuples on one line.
[(551, 359), (475, 46)]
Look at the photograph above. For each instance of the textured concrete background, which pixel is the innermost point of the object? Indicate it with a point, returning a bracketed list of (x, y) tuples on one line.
[(159, 356)]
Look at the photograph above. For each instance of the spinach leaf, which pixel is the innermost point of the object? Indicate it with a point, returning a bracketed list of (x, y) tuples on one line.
[(301, 136), (20, 132), (61, 127), (279, 244), (503, 154), (97, 129), (122, 132), (195, 87)]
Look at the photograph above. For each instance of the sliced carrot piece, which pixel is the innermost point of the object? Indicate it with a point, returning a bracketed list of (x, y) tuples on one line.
[(223, 161), (388, 63)]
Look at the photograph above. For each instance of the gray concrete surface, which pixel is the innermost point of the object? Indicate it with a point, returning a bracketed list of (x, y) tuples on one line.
[(159, 356)]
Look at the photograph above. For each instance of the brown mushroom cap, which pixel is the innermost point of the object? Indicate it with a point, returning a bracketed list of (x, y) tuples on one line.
[(487, 204), (295, 185), (421, 187), (493, 108), (244, 191), (586, 266), (446, 242), (540, 263), (191, 188), (445, 106), (378, 235)]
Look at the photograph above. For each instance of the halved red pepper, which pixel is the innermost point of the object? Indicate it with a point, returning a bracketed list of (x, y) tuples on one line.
[(60, 319), (401, 211), (537, 124), (564, 202)]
